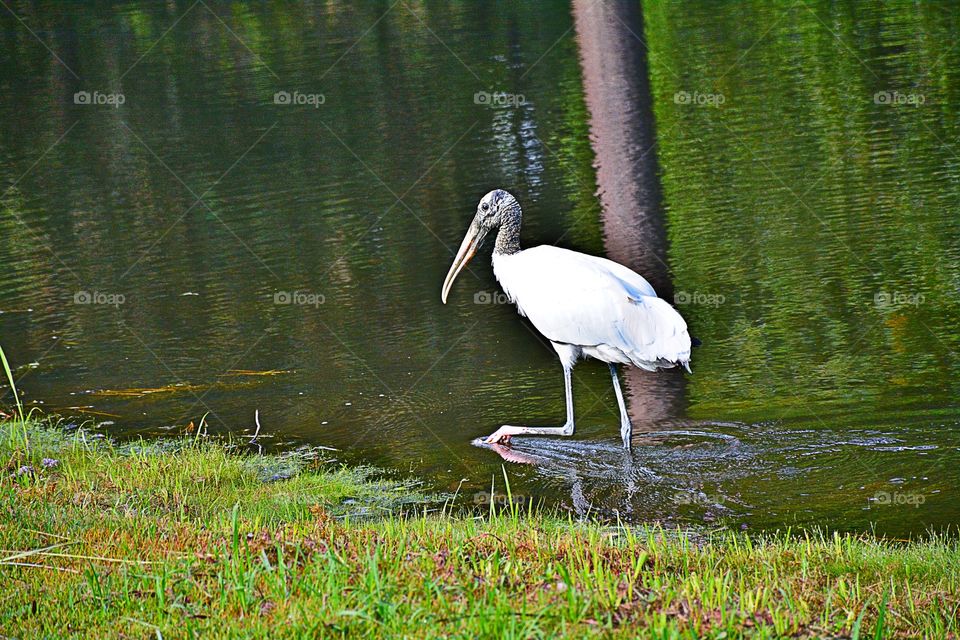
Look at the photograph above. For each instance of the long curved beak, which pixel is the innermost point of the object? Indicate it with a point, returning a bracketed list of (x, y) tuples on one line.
[(471, 242)]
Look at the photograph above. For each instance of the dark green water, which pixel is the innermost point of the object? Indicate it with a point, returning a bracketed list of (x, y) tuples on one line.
[(813, 230)]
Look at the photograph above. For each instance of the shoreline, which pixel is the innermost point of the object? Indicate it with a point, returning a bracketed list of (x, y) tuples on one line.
[(184, 536)]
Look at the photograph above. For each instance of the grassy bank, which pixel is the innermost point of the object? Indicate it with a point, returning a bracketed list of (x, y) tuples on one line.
[(190, 539)]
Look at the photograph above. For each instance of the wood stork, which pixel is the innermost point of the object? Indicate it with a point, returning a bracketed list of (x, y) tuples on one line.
[(585, 306)]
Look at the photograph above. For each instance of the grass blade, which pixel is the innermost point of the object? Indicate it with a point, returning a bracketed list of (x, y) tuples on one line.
[(13, 385)]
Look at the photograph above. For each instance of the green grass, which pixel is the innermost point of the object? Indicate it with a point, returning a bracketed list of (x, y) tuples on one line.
[(13, 387), (189, 539)]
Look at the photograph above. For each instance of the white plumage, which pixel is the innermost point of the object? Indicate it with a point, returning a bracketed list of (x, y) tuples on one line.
[(608, 311), (585, 306)]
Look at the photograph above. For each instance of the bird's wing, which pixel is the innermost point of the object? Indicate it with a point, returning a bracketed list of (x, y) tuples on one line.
[(587, 301)]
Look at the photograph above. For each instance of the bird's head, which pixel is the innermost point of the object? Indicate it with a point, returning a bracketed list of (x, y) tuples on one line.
[(495, 209)]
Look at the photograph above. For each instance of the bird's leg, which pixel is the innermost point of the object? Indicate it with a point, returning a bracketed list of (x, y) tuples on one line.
[(502, 435), (626, 429)]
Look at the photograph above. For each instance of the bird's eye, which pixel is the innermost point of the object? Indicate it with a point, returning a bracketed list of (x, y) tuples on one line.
[(485, 206)]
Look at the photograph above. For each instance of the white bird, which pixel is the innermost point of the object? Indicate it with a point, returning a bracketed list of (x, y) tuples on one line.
[(585, 306)]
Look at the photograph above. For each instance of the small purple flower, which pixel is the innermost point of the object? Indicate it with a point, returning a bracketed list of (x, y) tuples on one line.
[(24, 470), (49, 463)]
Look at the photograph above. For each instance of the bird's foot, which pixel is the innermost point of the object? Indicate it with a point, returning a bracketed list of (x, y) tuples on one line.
[(501, 435)]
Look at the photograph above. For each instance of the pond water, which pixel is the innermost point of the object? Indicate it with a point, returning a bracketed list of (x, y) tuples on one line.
[(218, 209)]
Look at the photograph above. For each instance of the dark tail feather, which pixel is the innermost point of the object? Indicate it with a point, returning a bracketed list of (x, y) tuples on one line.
[(695, 342)]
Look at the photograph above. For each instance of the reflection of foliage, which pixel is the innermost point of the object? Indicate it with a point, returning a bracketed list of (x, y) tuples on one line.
[(302, 210), (574, 156), (817, 211), (20, 247)]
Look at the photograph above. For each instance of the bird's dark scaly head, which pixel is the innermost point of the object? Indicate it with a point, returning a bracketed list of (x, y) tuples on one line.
[(495, 209)]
